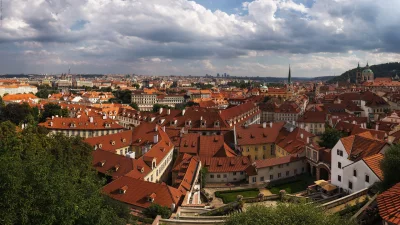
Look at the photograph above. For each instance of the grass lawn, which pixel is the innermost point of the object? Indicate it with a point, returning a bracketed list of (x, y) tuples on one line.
[(230, 196), (294, 186)]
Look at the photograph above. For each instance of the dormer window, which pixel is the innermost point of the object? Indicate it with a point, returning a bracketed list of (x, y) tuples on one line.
[(123, 140), (113, 143), (123, 189), (100, 145), (101, 163), (216, 124)]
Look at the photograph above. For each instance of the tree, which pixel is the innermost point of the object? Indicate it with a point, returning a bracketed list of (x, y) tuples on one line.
[(390, 167), (283, 214), (1, 102), (203, 176), (52, 109), (135, 106), (156, 209), (15, 112), (157, 107), (330, 138), (136, 85), (49, 180)]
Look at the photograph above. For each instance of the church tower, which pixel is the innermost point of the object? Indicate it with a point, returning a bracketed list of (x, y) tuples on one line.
[(359, 77)]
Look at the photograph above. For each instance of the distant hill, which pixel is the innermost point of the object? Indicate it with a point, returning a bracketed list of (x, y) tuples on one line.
[(380, 70)]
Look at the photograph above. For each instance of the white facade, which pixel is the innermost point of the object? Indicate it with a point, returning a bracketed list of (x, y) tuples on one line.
[(342, 170), (160, 168), (226, 177), (17, 90), (277, 172)]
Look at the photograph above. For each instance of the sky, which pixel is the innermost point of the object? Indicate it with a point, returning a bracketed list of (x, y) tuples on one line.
[(181, 37)]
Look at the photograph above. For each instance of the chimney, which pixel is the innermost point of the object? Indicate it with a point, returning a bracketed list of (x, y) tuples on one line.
[(168, 111), (377, 126), (183, 112), (160, 110), (52, 117), (264, 125), (91, 119), (291, 129), (163, 128), (308, 140), (51, 124), (270, 124), (155, 139), (156, 129), (301, 135)]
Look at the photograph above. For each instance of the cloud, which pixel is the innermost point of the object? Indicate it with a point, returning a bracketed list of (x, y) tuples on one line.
[(130, 33)]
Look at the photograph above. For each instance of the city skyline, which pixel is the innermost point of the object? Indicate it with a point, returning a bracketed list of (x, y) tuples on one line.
[(180, 37)]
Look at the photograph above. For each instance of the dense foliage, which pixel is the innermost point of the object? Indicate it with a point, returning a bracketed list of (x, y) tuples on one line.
[(156, 209), (49, 180), (390, 167), (17, 113), (283, 214), (381, 70), (52, 109), (122, 96), (330, 137)]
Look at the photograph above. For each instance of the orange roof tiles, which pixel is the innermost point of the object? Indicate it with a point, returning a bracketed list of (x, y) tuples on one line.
[(111, 142), (262, 163), (82, 123), (110, 163), (137, 192), (205, 146), (362, 145), (225, 164), (389, 205), (373, 162), (19, 97), (257, 134)]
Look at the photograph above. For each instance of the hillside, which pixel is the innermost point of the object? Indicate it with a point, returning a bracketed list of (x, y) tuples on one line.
[(380, 70)]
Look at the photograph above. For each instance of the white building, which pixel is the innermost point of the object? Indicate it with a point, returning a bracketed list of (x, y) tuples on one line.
[(351, 166), (20, 89)]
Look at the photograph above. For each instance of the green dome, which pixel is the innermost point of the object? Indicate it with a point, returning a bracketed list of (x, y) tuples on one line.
[(367, 71)]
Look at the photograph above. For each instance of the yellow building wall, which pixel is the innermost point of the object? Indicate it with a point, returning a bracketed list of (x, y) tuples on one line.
[(263, 151), (280, 152)]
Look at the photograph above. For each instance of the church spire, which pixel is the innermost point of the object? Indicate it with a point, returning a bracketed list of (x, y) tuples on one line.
[(367, 65), (290, 76)]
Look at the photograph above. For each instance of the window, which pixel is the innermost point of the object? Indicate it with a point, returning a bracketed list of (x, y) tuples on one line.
[(254, 179), (279, 175), (355, 173), (241, 173), (302, 169), (234, 173), (256, 148), (339, 152), (287, 173), (339, 165), (367, 178), (261, 178), (264, 147), (295, 171), (350, 185), (225, 176), (339, 178), (218, 176), (271, 177), (248, 149), (211, 176)]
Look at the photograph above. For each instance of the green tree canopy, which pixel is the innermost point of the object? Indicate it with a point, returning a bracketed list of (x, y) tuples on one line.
[(135, 106), (49, 180), (125, 96), (16, 113), (52, 109), (390, 166), (330, 138), (156, 209), (284, 214)]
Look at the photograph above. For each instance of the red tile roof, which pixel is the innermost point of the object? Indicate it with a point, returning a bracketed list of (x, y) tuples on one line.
[(293, 142), (225, 164), (373, 162), (257, 134), (82, 123), (137, 192), (185, 167), (262, 163), (362, 145), (111, 142), (110, 163), (205, 146), (19, 97), (389, 205), (312, 117)]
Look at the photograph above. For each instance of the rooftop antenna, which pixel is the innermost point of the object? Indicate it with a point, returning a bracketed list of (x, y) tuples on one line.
[(69, 70)]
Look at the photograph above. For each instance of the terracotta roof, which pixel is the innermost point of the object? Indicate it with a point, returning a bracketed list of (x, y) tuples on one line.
[(293, 142), (312, 117), (389, 204), (82, 123), (186, 172), (19, 97), (262, 163), (257, 134), (373, 162), (362, 145), (111, 142), (205, 146), (110, 163), (375, 133), (225, 164), (137, 192)]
